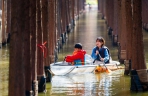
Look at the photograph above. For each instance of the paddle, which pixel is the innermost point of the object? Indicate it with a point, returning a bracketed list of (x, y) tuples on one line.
[(107, 70), (99, 69)]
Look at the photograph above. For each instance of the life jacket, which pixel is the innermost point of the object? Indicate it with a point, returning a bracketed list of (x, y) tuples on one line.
[(76, 54), (101, 52)]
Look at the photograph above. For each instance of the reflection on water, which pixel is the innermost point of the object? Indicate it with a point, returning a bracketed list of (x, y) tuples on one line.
[(4, 63), (87, 84), (87, 29), (104, 84)]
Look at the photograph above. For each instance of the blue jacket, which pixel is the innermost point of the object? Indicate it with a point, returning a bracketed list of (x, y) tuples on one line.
[(103, 52)]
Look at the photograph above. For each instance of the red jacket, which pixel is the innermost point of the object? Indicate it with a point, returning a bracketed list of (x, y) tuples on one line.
[(77, 55)]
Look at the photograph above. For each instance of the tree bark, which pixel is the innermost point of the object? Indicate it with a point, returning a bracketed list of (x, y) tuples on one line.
[(8, 16), (51, 27), (3, 22), (27, 44), (17, 66), (123, 32), (63, 17), (129, 28), (119, 19), (138, 60), (44, 27), (33, 38), (39, 40)]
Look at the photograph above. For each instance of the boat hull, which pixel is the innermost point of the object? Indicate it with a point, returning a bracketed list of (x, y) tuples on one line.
[(64, 68)]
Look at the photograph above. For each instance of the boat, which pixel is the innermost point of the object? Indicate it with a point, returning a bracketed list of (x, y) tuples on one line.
[(65, 68)]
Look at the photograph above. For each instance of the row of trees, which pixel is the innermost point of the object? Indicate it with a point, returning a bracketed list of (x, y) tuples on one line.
[(124, 19), (36, 27)]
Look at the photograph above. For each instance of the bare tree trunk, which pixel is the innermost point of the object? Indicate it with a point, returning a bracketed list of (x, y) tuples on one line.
[(3, 22), (44, 28), (63, 17), (59, 19), (122, 50), (129, 26), (17, 66), (73, 9), (51, 26), (27, 52), (107, 12), (39, 40), (119, 20), (115, 22), (8, 16), (78, 9), (33, 41), (138, 60)]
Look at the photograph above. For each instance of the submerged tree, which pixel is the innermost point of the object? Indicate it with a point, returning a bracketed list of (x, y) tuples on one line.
[(138, 60)]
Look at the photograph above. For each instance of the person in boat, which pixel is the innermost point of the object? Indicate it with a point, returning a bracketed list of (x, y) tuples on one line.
[(100, 52), (77, 58)]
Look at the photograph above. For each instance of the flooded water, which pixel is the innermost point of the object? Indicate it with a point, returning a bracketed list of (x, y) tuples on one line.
[(87, 29), (4, 67)]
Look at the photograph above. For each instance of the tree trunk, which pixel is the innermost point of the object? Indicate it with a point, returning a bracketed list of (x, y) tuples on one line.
[(39, 40), (27, 44), (123, 38), (33, 38), (115, 24), (138, 60), (129, 28), (63, 17), (118, 19), (73, 9), (8, 16), (20, 30), (51, 26), (44, 27), (3, 22), (107, 12)]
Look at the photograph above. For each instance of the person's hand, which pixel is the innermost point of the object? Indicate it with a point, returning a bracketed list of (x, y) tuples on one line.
[(102, 59), (97, 52), (72, 63)]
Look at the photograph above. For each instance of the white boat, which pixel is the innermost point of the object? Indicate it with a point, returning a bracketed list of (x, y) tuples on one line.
[(64, 68)]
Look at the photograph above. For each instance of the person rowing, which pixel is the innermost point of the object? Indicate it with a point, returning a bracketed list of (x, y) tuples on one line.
[(77, 58)]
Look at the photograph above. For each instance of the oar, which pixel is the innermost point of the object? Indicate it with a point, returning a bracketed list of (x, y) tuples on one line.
[(107, 70)]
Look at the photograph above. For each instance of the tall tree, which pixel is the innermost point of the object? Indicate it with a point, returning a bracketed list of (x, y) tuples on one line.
[(19, 30), (129, 28), (8, 16), (3, 22), (138, 60), (122, 38), (51, 27), (44, 13), (33, 48), (39, 40)]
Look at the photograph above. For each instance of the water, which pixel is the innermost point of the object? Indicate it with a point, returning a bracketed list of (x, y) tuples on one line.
[(4, 63), (103, 84), (87, 29)]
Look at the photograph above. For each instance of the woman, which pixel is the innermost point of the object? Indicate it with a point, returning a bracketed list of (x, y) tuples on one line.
[(100, 52)]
